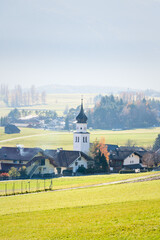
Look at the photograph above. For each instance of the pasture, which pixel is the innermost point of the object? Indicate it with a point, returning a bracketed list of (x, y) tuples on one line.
[(125, 211), (54, 139)]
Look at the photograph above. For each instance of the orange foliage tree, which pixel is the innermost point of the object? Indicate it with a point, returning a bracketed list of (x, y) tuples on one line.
[(100, 154)]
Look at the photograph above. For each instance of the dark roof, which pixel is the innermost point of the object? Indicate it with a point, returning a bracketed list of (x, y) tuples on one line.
[(16, 153), (81, 118), (64, 158), (134, 149), (10, 128), (51, 160), (121, 154), (111, 147)]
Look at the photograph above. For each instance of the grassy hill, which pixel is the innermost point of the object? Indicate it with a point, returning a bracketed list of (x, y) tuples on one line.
[(126, 211)]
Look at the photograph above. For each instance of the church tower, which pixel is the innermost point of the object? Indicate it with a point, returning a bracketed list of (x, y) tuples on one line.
[(81, 136)]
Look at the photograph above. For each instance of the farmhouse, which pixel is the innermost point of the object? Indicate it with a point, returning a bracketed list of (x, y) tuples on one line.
[(126, 158), (70, 160), (10, 129), (32, 158)]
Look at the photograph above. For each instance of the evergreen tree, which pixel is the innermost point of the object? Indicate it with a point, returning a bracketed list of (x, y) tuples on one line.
[(156, 145), (66, 127)]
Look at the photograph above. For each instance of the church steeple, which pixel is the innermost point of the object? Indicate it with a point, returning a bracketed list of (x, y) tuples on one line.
[(81, 118), (81, 136)]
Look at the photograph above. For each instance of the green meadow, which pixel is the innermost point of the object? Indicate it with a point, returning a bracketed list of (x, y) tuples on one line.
[(122, 211), (54, 139)]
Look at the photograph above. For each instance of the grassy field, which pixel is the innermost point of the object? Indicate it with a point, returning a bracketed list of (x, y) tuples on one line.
[(127, 211), (52, 139), (21, 186)]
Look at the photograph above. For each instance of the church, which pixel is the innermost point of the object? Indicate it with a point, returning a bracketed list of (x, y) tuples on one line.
[(39, 162)]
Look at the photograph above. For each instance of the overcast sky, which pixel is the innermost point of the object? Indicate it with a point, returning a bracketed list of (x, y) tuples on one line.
[(77, 42)]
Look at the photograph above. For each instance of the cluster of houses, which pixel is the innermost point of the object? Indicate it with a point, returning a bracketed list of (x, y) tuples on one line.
[(35, 121), (40, 162)]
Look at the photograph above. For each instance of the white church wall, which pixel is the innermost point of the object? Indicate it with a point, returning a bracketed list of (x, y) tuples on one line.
[(81, 142)]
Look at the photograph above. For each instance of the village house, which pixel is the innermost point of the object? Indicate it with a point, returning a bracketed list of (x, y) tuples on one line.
[(126, 158), (11, 129)]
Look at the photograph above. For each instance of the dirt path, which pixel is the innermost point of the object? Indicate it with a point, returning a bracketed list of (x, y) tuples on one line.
[(152, 177), (35, 135)]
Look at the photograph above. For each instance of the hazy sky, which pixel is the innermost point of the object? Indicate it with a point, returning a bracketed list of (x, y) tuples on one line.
[(77, 42)]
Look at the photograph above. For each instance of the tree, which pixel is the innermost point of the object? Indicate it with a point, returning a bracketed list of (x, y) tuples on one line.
[(13, 172), (14, 114), (156, 144), (23, 172), (100, 154), (151, 159), (66, 127), (130, 143), (43, 97)]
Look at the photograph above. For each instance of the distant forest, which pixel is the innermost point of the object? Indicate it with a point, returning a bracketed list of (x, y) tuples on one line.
[(124, 112), (19, 97)]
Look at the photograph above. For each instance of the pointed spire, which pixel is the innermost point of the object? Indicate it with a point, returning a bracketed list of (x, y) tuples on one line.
[(81, 118)]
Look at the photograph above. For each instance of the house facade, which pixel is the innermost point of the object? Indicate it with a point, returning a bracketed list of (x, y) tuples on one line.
[(126, 158)]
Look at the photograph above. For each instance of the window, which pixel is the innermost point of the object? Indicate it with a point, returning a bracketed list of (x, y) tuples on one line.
[(15, 161), (42, 162), (76, 163), (78, 139), (84, 139)]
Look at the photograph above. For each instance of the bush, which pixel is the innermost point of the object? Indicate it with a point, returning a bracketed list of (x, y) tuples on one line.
[(126, 171), (23, 172), (90, 170), (4, 176), (13, 172), (81, 170), (48, 175), (67, 172)]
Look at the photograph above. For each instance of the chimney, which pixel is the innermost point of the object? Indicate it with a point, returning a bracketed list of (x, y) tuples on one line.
[(59, 149), (20, 149)]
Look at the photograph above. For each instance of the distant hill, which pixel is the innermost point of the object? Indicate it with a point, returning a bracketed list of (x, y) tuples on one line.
[(80, 89), (93, 89)]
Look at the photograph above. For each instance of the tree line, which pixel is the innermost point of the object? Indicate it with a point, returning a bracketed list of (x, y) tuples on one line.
[(115, 113), (18, 97), (128, 112)]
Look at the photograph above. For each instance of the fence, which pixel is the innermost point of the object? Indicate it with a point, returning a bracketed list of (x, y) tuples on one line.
[(25, 186)]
